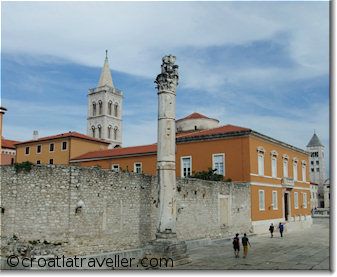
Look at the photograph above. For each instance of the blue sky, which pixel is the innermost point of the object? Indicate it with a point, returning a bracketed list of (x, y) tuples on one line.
[(262, 65)]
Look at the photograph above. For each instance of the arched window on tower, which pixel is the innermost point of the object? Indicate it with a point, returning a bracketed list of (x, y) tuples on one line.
[(99, 127), (115, 133), (100, 107), (116, 109), (93, 131), (110, 108), (109, 131), (93, 109)]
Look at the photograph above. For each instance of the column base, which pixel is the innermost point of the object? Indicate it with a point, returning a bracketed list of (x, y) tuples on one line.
[(167, 246)]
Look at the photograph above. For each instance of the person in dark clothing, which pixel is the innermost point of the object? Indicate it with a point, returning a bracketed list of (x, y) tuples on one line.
[(281, 228), (271, 230), (236, 245), (245, 242)]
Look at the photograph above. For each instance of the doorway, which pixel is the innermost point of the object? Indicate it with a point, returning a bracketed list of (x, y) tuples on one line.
[(286, 206)]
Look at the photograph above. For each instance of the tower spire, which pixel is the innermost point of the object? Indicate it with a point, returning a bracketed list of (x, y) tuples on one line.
[(105, 78)]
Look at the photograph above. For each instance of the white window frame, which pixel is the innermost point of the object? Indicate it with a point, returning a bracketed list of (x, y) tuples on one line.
[(223, 162), (305, 199), (115, 169), (260, 200), (38, 153), (304, 172), (62, 145), (260, 168), (53, 147), (285, 168), (296, 200), (182, 166), (274, 199), (135, 167), (295, 171), (273, 170)]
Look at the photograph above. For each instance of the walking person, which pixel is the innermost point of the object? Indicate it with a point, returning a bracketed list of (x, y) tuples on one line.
[(271, 230), (245, 242), (236, 245), (281, 228)]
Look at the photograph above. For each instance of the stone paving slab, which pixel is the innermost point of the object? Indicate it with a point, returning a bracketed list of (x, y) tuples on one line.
[(302, 250)]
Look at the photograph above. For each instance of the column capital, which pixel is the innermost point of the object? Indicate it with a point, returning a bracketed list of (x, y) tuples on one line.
[(167, 80)]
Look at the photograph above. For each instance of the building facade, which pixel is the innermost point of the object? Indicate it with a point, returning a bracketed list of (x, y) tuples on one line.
[(8, 151), (105, 106), (57, 149), (277, 172), (314, 196)]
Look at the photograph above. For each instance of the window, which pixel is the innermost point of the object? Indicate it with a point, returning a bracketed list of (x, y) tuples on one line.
[(93, 131), (51, 147), (109, 131), (317, 169), (100, 107), (312, 169), (312, 162), (314, 154), (295, 170), (186, 166), (38, 149), (261, 200), (296, 200), (51, 161), (274, 199), (110, 108), (137, 168), (274, 167), (115, 133), (304, 200), (285, 168), (116, 109), (304, 173), (94, 109), (27, 150), (115, 167), (38, 162), (260, 161), (99, 131), (317, 162), (64, 145), (218, 164)]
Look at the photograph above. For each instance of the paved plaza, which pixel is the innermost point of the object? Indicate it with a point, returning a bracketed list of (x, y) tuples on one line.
[(307, 249)]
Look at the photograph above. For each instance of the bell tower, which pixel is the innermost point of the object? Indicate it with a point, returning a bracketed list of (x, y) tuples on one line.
[(105, 106)]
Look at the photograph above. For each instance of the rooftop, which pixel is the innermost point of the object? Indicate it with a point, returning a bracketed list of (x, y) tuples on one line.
[(314, 141), (7, 143), (195, 116), (64, 135)]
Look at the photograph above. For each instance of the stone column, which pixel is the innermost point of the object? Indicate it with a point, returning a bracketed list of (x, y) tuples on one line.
[(167, 244), (167, 82)]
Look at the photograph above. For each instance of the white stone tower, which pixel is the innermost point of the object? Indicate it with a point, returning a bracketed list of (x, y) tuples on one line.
[(317, 165), (105, 106)]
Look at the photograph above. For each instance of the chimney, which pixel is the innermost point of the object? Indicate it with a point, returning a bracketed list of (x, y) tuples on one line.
[(35, 135)]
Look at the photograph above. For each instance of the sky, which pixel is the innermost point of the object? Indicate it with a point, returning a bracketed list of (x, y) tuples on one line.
[(261, 65)]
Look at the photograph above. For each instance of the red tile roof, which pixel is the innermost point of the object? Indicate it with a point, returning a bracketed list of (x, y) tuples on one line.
[(65, 135), (194, 116), (115, 152), (152, 148), (214, 131), (7, 143)]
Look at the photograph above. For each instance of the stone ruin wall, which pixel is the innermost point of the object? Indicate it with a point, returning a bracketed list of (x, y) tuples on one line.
[(119, 211)]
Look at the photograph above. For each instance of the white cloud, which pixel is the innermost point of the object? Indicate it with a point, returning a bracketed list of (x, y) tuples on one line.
[(139, 34)]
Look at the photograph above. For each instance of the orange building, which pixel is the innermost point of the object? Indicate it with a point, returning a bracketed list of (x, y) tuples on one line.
[(8, 151), (277, 172), (57, 149)]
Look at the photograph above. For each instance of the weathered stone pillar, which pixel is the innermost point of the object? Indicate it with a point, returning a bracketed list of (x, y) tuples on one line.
[(167, 82), (166, 244)]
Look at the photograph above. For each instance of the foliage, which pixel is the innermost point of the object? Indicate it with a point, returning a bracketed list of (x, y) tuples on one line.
[(24, 166), (207, 175)]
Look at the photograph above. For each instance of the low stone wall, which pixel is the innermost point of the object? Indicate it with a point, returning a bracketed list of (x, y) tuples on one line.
[(63, 210)]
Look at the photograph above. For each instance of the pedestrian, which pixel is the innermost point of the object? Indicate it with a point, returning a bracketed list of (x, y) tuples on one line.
[(271, 230), (245, 242), (281, 228), (236, 245)]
